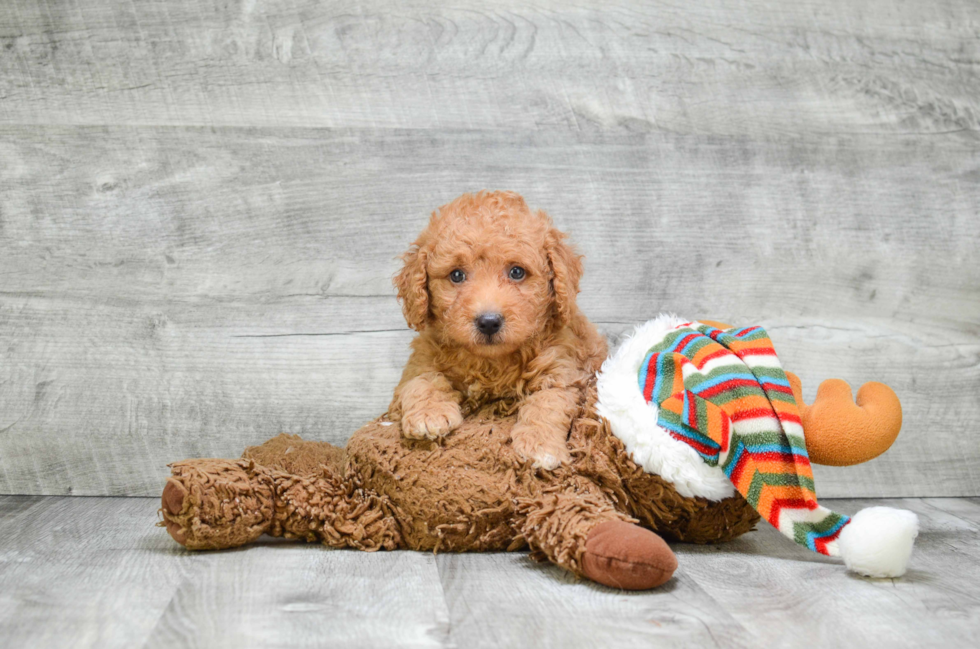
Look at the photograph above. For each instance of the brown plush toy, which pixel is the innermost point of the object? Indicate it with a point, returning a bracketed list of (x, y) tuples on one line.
[(470, 491)]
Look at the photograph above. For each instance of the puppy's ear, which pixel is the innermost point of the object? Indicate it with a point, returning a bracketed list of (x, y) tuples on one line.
[(566, 269), (412, 283)]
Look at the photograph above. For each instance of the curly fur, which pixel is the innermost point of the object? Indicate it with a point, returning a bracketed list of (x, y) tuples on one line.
[(544, 354)]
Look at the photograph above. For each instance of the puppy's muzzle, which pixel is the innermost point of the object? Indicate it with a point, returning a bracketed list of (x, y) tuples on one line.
[(489, 324)]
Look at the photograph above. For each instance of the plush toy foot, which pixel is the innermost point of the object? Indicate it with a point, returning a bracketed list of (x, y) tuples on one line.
[(622, 555), (214, 504), (173, 499)]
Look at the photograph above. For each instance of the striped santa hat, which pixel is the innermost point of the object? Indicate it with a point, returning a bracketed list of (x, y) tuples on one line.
[(712, 412)]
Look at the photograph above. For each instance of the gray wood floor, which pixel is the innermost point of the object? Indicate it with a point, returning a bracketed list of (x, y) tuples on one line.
[(94, 572)]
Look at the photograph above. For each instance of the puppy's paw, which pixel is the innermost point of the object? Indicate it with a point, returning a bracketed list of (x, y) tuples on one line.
[(547, 450), (432, 421)]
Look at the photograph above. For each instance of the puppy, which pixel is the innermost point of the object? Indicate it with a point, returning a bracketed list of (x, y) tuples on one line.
[(490, 286)]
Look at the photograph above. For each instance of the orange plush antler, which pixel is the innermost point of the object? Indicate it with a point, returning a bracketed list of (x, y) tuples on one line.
[(840, 432)]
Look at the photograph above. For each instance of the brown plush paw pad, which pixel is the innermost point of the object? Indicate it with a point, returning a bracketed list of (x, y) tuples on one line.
[(622, 555), (173, 502)]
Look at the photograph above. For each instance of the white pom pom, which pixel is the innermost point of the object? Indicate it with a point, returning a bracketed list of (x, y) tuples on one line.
[(878, 541)]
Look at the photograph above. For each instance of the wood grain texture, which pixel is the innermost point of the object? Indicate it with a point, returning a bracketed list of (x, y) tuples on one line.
[(762, 68), (763, 582), (201, 204), (208, 306), (82, 572), (288, 595), (508, 600), (94, 572)]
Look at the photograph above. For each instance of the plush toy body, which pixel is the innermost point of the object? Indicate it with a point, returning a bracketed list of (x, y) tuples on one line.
[(472, 491)]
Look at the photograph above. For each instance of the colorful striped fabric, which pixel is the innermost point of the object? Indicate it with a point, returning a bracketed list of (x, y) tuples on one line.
[(725, 394)]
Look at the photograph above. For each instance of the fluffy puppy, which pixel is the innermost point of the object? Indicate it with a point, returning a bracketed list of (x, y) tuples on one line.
[(490, 286)]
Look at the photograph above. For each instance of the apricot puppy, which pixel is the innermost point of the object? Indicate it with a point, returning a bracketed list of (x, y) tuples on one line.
[(490, 286)]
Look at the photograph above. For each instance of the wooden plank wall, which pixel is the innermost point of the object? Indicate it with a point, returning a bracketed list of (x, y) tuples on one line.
[(201, 203)]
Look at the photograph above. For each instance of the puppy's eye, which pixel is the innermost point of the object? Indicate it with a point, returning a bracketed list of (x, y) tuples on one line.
[(457, 276), (517, 273)]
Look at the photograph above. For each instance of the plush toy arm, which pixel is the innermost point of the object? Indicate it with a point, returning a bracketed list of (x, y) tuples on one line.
[(840, 432)]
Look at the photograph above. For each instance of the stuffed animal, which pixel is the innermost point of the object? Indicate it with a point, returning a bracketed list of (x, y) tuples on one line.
[(691, 430)]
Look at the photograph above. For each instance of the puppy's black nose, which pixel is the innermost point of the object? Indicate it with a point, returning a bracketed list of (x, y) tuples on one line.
[(489, 323)]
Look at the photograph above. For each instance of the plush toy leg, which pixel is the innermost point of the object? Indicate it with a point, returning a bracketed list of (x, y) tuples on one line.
[(602, 457), (214, 504), (335, 511), (578, 528)]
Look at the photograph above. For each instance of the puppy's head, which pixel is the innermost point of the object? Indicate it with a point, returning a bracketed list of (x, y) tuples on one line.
[(489, 274)]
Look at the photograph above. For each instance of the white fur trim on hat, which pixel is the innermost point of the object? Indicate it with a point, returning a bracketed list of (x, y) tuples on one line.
[(878, 541), (634, 421)]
